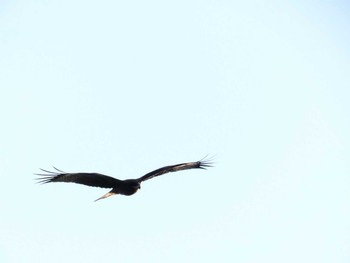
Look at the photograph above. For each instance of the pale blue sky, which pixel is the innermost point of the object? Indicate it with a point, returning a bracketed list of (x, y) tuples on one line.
[(125, 88)]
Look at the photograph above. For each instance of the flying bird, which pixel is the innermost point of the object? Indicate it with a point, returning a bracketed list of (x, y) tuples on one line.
[(122, 187)]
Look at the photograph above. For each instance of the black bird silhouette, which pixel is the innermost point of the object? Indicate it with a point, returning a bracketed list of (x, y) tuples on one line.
[(123, 187)]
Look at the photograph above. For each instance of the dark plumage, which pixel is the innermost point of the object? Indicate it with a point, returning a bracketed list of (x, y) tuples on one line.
[(123, 187)]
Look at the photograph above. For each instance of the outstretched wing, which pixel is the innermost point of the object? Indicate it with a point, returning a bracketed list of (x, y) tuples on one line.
[(202, 164), (90, 179)]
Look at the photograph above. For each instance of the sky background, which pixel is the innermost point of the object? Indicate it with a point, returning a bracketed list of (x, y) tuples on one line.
[(126, 87)]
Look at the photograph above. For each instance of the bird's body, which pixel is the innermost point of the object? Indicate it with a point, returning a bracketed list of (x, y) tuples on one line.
[(123, 187)]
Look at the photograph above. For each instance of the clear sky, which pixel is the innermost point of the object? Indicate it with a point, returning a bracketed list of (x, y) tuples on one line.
[(125, 87)]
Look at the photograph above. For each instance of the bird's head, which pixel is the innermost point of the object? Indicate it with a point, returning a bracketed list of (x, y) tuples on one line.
[(131, 187), (134, 183), (138, 186)]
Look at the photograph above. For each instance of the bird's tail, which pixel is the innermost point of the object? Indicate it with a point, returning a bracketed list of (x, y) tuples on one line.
[(105, 196)]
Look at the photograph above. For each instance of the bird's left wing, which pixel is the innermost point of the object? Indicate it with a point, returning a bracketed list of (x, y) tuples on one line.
[(90, 179), (202, 164)]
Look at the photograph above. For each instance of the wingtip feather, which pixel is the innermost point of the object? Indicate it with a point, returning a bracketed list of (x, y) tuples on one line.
[(206, 162)]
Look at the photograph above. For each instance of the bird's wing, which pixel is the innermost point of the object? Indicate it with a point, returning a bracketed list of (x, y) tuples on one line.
[(202, 164), (90, 179)]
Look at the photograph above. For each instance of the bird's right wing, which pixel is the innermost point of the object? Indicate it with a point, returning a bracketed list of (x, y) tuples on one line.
[(90, 179)]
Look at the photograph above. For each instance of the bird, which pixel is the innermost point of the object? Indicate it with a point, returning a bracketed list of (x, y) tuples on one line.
[(122, 187)]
